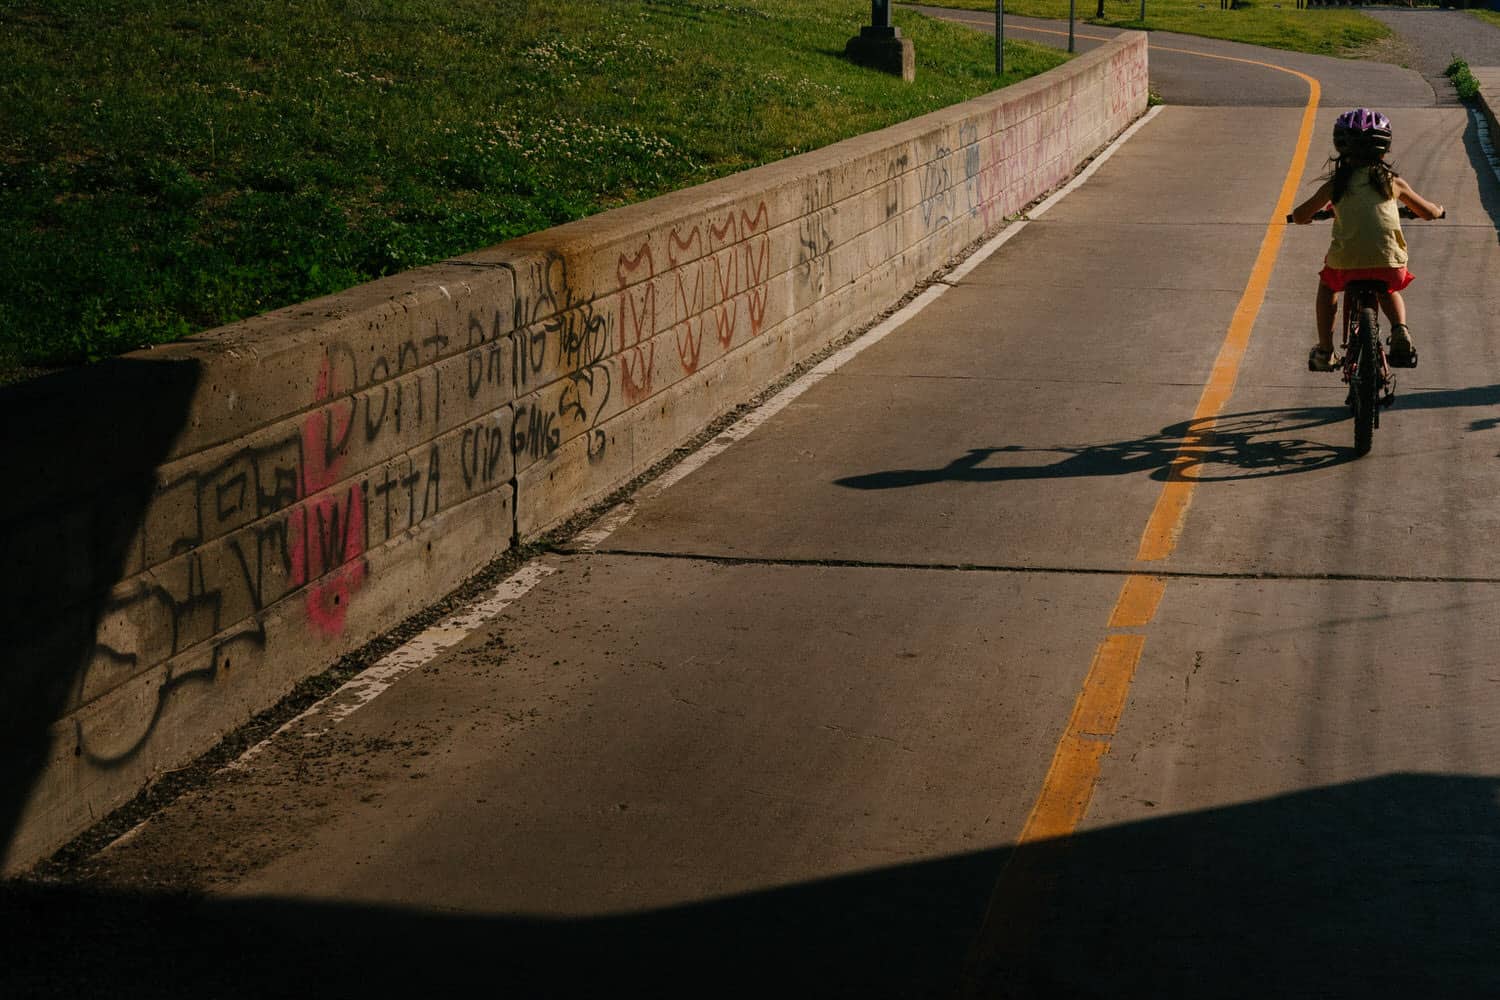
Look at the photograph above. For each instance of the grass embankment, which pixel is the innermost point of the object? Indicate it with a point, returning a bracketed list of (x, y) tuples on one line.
[(1322, 31), (166, 167)]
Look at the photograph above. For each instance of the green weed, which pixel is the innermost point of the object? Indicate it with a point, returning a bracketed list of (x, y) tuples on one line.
[(1463, 80)]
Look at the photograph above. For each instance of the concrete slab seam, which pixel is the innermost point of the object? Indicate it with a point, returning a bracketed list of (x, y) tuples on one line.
[(1134, 578)]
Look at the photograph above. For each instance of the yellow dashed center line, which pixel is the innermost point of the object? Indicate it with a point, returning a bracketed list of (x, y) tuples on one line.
[(1069, 785)]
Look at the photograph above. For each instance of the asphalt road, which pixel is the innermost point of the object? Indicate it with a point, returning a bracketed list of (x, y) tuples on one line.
[(805, 723)]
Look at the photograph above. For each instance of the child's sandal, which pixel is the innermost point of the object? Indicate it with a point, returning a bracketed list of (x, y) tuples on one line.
[(1319, 360), (1402, 353)]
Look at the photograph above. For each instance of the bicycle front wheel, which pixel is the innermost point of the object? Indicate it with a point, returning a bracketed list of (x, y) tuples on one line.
[(1366, 382)]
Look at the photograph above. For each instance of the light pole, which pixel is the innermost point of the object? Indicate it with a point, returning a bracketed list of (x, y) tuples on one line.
[(1000, 37), (1070, 25)]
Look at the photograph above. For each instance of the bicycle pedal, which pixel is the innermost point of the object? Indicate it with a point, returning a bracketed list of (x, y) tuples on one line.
[(1402, 360)]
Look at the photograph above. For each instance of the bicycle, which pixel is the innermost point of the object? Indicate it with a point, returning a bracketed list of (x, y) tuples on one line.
[(1366, 367)]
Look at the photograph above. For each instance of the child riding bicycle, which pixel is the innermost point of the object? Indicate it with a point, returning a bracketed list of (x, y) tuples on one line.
[(1364, 192)]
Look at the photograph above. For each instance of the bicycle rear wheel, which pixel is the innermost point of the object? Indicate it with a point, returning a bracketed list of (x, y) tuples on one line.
[(1366, 382)]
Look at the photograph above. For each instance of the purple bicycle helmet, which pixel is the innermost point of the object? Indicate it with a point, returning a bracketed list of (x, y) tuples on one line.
[(1362, 133)]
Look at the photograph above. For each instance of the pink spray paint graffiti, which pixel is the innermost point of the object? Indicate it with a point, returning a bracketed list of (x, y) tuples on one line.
[(326, 536)]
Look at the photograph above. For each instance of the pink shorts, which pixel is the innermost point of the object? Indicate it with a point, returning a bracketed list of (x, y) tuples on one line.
[(1395, 278)]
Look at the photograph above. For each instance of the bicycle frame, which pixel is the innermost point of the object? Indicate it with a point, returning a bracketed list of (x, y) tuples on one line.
[(1366, 370)]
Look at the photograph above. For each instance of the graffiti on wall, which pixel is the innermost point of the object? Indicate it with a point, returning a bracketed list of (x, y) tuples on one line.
[(637, 309), (720, 270), (288, 518), (755, 244), (991, 180), (685, 259), (560, 338), (968, 141), (1127, 80), (938, 195), (814, 241), (327, 534)]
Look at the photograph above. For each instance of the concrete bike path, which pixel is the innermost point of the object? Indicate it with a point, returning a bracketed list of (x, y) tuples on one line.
[(782, 727)]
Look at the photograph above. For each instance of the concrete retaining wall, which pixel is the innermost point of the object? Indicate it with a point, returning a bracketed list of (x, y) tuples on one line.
[(198, 527)]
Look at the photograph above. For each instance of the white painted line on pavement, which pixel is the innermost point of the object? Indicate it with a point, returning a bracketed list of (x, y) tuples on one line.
[(369, 683)]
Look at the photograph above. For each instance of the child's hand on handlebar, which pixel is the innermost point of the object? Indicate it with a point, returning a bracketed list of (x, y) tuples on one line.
[(1406, 213)]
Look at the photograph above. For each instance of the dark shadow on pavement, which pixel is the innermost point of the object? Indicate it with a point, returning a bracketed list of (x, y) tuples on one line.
[(1388, 887), (1432, 399), (82, 448), (1484, 174), (1249, 445)]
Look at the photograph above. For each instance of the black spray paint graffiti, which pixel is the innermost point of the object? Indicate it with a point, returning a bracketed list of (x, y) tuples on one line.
[(937, 190), (968, 140), (893, 228), (815, 242), (553, 315), (485, 357), (400, 402), (480, 454), (281, 527), (195, 613)]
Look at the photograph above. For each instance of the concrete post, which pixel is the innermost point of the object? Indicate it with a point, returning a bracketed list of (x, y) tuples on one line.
[(880, 45)]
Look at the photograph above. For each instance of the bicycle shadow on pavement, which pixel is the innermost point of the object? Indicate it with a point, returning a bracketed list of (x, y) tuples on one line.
[(1385, 887), (1249, 445)]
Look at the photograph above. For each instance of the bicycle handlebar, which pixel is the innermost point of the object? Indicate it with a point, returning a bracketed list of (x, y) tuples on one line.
[(1406, 213)]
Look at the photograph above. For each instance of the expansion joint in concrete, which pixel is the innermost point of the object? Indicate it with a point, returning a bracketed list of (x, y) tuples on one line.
[(1264, 576)]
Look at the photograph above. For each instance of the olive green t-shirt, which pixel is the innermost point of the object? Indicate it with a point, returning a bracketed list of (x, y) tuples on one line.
[(1366, 228)]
